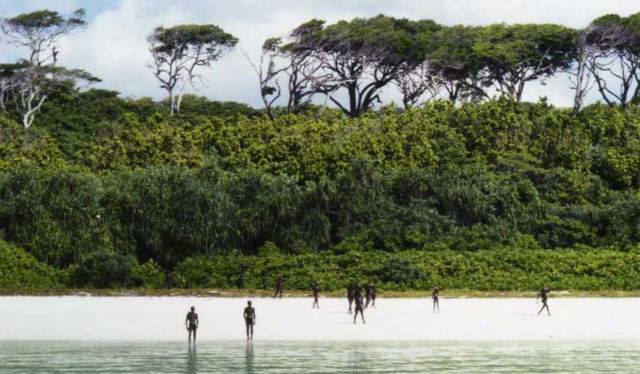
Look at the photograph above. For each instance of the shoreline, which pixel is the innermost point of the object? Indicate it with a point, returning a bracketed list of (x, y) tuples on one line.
[(243, 293)]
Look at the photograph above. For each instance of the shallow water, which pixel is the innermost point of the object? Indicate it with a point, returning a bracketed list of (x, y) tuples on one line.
[(318, 357)]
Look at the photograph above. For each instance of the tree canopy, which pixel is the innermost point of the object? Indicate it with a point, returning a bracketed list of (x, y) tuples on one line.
[(516, 54), (180, 50), (39, 31), (361, 57)]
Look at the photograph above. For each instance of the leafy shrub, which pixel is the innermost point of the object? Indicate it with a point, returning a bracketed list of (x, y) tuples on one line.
[(268, 249), (18, 269), (104, 269), (399, 271), (148, 275)]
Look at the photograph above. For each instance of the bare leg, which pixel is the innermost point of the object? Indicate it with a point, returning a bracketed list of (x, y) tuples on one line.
[(251, 331), (362, 316), (247, 330), (194, 336), (350, 302), (544, 306)]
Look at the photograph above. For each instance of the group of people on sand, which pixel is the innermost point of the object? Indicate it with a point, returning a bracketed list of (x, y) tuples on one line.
[(357, 304), (354, 296)]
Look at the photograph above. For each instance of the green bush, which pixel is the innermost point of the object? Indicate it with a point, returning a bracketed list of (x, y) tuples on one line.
[(399, 271), (104, 269), (147, 275), (18, 269), (268, 249)]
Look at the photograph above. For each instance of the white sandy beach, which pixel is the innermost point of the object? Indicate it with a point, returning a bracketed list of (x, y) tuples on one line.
[(291, 319)]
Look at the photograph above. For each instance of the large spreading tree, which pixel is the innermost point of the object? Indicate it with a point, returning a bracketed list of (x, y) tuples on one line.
[(359, 57), (28, 82), (419, 77), (513, 55), (178, 53), (615, 60), (39, 32), (454, 59)]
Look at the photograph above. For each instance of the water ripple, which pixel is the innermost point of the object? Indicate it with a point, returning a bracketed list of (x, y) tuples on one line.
[(318, 357)]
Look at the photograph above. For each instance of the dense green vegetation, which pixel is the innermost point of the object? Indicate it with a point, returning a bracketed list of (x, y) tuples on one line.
[(501, 269), (495, 195), (466, 186)]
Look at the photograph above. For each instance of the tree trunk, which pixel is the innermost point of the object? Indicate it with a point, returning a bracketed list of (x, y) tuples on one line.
[(172, 103), (519, 91), (353, 101)]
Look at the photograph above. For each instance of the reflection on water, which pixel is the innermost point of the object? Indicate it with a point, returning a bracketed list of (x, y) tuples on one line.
[(249, 358), (318, 357), (192, 359)]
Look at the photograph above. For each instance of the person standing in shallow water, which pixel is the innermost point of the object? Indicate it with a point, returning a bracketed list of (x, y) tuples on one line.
[(191, 322), (544, 296), (249, 319), (279, 287), (316, 291), (350, 291), (435, 296)]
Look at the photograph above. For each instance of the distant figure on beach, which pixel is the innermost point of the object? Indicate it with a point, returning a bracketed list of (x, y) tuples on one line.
[(240, 280), (374, 294), (350, 292), (357, 291), (367, 294), (279, 287), (249, 319), (544, 296), (316, 291), (359, 306), (435, 296), (192, 323)]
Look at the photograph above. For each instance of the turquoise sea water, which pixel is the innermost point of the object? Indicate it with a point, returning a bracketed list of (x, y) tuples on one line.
[(318, 357)]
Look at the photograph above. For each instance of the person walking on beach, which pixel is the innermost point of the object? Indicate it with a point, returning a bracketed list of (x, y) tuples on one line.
[(544, 296), (279, 287), (350, 292), (359, 307), (374, 294), (192, 323), (249, 319), (316, 291), (367, 294), (435, 296), (357, 291)]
